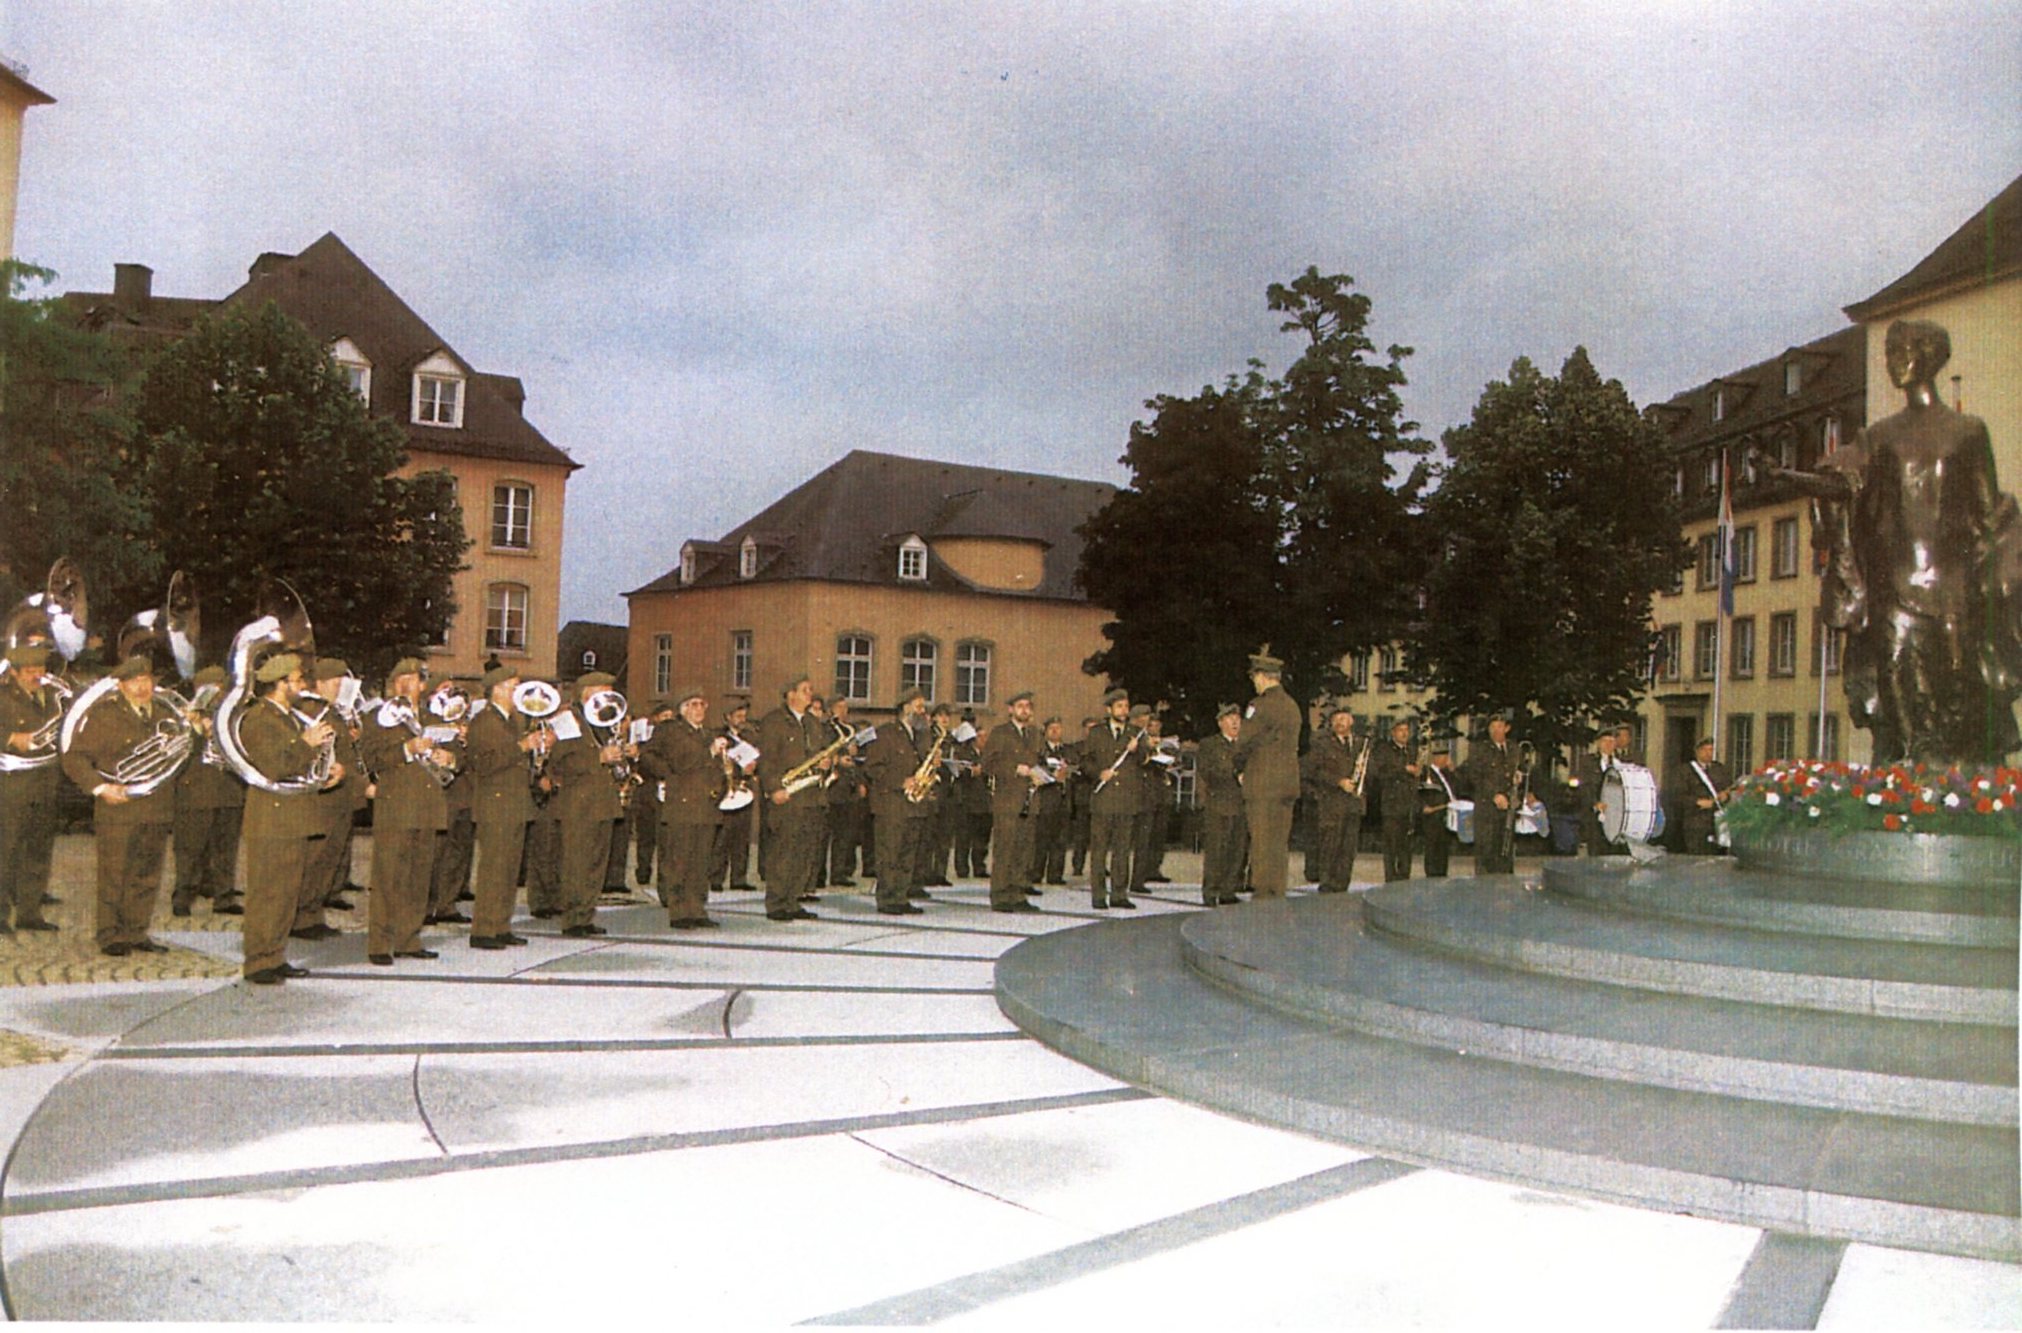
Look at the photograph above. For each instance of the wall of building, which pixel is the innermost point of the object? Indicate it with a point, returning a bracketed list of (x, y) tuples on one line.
[(1985, 324), (538, 568), (1035, 645), (12, 110), (993, 562)]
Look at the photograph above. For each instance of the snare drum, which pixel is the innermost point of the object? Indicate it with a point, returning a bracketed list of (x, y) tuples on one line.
[(1460, 820), (1630, 806)]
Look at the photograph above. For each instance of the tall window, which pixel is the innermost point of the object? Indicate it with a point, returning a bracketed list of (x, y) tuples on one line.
[(1742, 655), (1741, 743), (1779, 737), (1358, 672), (747, 559), (1783, 644), (1825, 744), (1670, 652), (1832, 640), (853, 667), (353, 366), (972, 673), (512, 516), (1783, 549), (1744, 554), (688, 562), (1677, 583), (740, 659), (1793, 381), (1709, 479), (917, 658), (505, 618), (1709, 561), (438, 400), (913, 560), (1386, 670), (663, 663), (1705, 649)]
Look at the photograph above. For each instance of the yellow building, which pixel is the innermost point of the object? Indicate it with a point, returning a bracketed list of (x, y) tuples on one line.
[(16, 96), (511, 482), (880, 574)]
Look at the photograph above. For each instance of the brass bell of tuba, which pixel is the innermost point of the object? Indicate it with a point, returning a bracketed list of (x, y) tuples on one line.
[(281, 625), (171, 628)]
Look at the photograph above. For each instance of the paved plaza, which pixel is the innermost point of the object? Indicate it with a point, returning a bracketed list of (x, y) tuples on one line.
[(762, 1126)]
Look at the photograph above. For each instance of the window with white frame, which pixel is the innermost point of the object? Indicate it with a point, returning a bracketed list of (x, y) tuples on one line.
[(1670, 651), (687, 562), (1709, 480), (1358, 672), (1744, 554), (1783, 545), (917, 660), (663, 663), (853, 667), (913, 560), (972, 673), (1793, 384), (747, 559), (353, 365), (1779, 736), (1709, 561), (740, 659), (505, 618), (1832, 640), (1783, 644), (1825, 743), (1705, 649), (512, 516), (1741, 743), (1720, 404), (1741, 655), (438, 392), (1386, 670)]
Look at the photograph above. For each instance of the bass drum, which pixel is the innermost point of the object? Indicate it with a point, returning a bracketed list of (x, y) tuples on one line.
[(1629, 806), (1460, 820)]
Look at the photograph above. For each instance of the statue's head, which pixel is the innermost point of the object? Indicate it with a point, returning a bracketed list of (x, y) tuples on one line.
[(1916, 350)]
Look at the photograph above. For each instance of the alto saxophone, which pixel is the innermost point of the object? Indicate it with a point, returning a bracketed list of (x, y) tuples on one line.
[(921, 784)]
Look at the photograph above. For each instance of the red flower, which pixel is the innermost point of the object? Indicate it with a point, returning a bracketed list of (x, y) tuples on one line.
[(1892, 797), (1892, 822), (1983, 806)]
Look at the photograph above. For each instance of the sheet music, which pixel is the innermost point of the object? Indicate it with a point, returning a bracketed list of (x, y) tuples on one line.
[(565, 726), (963, 734), (641, 731), (441, 735), (743, 754)]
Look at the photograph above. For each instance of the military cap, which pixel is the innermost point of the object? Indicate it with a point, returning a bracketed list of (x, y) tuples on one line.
[(1439, 750), (277, 667), (407, 666), (1026, 695), (1111, 696), (498, 675), (939, 708), (733, 702), (210, 675), (595, 680), (907, 696), (137, 665), (792, 683), (1261, 660), (331, 668), (1703, 744), (1140, 710), (1055, 718), (682, 696), (1228, 710), (28, 655)]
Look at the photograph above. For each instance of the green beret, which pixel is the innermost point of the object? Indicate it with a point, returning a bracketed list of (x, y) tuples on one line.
[(1112, 696), (1026, 695), (28, 655), (498, 675), (408, 666), (137, 665), (596, 680), (210, 675), (329, 668), (907, 696), (1228, 710), (278, 667)]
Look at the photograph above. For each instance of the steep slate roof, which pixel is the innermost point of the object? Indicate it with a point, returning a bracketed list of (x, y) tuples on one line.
[(1834, 367), (1986, 248), (608, 642), (17, 89), (845, 524), (332, 292)]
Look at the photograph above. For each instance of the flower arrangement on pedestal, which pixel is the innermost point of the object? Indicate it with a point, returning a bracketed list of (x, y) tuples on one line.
[(1808, 794)]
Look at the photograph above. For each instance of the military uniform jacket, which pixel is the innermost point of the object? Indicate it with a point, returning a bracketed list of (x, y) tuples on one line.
[(848, 786), (1123, 794), (1329, 763), (497, 768), (21, 711), (966, 787), (584, 787), (212, 785), (1489, 771), (784, 743), (408, 797), (1065, 768), (888, 761), (349, 795), (108, 733), (678, 755), (1007, 748), (1215, 767), (272, 739), (1267, 751), (1393, 785)]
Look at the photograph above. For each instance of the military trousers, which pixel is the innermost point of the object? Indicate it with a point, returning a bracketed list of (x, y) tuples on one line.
[(207, 852), (129, 878), (1340, 838), (499, 844), (795, 830), (402, 861), (1396, 849), (1224, 839), (586, 850), (275, 870), (684, 853), (1112, 846), (1269, 820), (27, 837), (1013, 858), (450, 875)]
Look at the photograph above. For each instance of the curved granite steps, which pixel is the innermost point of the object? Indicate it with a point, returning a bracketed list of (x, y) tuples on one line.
[(1313, 957), (1119, 996), (1715, 890), (1502, 921)]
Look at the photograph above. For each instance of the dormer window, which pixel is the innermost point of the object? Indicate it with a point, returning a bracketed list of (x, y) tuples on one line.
[(687, 562), (747, 559), (589, 659), (1793, 378), (1720, 404), (438, 392), (913, 560), (353, 366)]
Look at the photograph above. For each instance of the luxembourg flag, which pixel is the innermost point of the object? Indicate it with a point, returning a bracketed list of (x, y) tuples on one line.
[(1727, 570)]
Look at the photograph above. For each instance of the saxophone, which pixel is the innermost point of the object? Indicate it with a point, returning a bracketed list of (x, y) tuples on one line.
[(807, 772), (920, 785)]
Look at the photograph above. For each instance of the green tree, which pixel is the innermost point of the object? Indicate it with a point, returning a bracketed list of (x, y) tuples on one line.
[(64, 433), (1270, 510), (260, 460), (1557, 529)]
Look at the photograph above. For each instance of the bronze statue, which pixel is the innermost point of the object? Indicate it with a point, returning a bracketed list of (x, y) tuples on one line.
[(1925, 571)]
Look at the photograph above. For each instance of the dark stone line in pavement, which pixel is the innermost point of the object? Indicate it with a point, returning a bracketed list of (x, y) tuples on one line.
[(324, 1050), (1784, 1283), (646, 983), (944, 1300), (416, 1168), (740, 946)]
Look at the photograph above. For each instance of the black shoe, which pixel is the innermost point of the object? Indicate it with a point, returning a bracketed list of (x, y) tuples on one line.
[(1031, 891), (842, 884), (1099, 906), (938, 882), (546, 913), (35, 925), (179, 909), (448, 919), (466, 897), (379, 959), (319, 931), (510, 938), (486, 942), (706, 923), (266, 976), (1017, 907), (1057, 883), (583, 932), (1330, 889), (747, 888), (338, 903), (228, 909), (917, 894), (115, 950), (1156, 879), (149, 946), (802, 914), (290, 970), (1125, 903), (781, 916), (50, 899), (416, 953), (903, 909)]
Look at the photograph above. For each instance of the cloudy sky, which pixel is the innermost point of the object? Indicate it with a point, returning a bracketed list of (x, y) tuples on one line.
[(724, 243)]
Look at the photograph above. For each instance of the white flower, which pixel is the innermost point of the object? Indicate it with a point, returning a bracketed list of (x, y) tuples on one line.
[(1952, 799), (1813, 812), (1772, 798), (1874, 798)]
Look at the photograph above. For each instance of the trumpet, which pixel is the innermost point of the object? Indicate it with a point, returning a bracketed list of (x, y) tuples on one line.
[(1361, 772), (920, 785)]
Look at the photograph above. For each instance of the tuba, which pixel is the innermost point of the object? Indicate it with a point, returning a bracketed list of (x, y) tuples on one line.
[(56, 617), (171, 627), (282, 626)]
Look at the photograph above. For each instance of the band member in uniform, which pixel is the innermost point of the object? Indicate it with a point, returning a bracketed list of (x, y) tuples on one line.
[(500, 752), (1050, 806), (328, 865), (449, 877), (132, 830), (1109, 757), (281, 827), (1267, 759), (543, 856), (1592, 772), (409, 814), (643, 811), (1701, 786), (892, 764), (1078, 811), (1224, 839), (1435, 797), (27, 795), (1490, 777), (1158, 796), (846, 799), (682, 756), (586, 803), (788, 738), (730, 862), (1011, 763), (210, 807), (1394, 770), (969, 803), (1337, 771)]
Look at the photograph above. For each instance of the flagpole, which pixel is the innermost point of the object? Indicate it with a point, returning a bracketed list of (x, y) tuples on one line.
[(1724, 538), (1828, 446)]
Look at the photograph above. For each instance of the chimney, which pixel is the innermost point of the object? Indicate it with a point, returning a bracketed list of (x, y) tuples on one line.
[(132, 287)]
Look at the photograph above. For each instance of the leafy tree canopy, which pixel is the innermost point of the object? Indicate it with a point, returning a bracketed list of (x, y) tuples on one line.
[(1555, 529), (1270, 510)]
